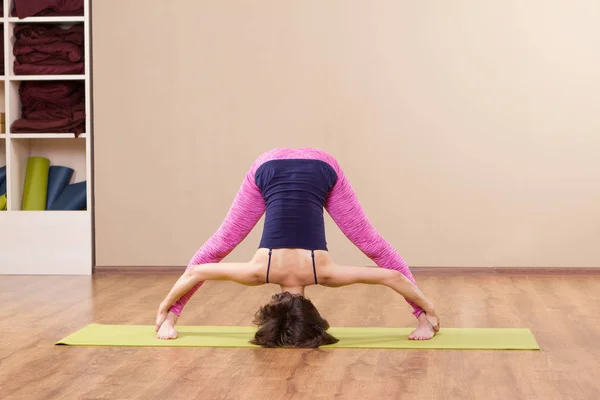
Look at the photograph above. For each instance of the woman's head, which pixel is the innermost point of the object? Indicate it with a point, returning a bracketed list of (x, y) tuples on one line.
[(291, 320)]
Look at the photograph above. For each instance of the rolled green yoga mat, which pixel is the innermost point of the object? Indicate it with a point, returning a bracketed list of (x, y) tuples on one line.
[(3, 202), (239, 336), (36, 184), (58, 179)]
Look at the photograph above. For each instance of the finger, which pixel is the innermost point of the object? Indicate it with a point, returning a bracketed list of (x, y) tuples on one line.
[(159, 322), (161, 318)]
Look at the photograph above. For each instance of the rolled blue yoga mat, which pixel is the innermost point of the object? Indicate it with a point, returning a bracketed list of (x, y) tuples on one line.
[(59, 178), (73, 197), (2, 180)]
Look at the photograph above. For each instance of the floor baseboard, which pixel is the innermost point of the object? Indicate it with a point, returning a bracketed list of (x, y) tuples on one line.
[(146, 270), (506, 270), (160, 270)]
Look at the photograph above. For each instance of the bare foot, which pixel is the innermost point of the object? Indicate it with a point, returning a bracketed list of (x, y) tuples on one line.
[(425, 330), (167, 328)]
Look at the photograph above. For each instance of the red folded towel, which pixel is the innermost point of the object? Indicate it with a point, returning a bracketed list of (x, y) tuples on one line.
[(48, 50), (2, 50), (48, 8), (51, 107)]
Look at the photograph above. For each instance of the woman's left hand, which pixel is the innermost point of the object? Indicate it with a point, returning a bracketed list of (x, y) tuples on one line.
[(161, 315)]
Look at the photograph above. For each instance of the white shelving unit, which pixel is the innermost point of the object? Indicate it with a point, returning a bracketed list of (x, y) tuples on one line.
[(43, 242)]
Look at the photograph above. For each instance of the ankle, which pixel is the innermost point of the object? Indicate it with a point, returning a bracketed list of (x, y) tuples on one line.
[(172, 317)]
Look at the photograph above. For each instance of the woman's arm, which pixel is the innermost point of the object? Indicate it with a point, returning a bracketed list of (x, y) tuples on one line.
[(337, 276), (244, 273)]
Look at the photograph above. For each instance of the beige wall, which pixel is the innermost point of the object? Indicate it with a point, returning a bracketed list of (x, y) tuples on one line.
[(471, 130)]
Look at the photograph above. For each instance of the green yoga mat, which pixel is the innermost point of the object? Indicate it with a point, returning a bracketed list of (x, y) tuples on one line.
[(36, 184), (239, 336), (3, 202)]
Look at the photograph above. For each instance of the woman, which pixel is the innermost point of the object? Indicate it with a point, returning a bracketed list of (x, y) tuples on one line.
[(292, 187)]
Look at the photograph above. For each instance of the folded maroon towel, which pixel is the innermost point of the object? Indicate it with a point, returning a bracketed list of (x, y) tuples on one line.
[(46, 49), (47, 8), (51, 107)]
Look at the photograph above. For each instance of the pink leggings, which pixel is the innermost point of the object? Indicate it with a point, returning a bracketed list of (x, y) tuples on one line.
[(342, 205)]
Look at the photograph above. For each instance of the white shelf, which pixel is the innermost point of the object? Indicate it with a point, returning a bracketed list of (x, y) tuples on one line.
[(46, 19), (63, 238), (46, 243), (46, 77), (20, 136)]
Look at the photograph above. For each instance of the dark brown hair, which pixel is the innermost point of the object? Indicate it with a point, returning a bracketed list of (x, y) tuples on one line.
[(291, 321)]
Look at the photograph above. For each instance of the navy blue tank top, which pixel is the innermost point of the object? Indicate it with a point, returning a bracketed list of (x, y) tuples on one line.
[(295, 191)]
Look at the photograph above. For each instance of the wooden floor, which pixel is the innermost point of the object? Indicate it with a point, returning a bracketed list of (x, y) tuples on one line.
[(562, 311)]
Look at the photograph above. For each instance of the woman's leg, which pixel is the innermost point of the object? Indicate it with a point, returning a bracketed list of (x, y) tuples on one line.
[(246, 210), (345, 209)]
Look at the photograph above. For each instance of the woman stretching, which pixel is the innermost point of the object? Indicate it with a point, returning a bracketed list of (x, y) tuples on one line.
[(291, 187)]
